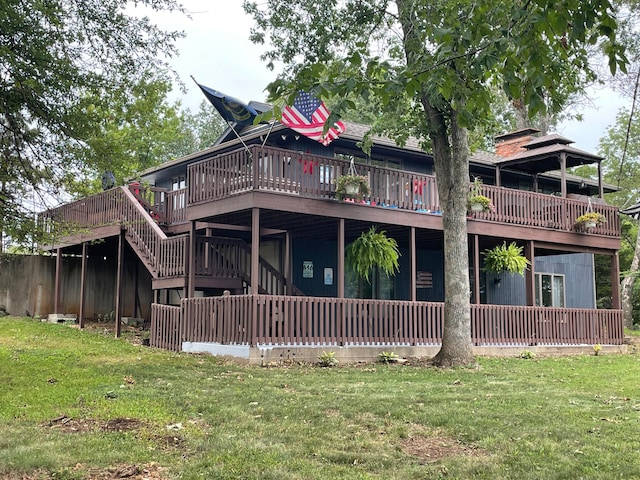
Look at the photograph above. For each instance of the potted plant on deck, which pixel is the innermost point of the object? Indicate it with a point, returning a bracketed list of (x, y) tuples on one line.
[(352, 186), (589, 220), (476, 201)]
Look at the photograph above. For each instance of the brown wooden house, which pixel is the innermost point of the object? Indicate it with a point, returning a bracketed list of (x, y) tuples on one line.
[(243, 246)]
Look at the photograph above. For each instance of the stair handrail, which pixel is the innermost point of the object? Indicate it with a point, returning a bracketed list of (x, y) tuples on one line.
[(120, 206), (264, 265)]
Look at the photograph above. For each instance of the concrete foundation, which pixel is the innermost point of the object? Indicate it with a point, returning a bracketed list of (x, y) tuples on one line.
[(266, 355)]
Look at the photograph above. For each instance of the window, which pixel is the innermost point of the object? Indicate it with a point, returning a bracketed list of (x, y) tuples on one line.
[(549, 290), (178, 182)]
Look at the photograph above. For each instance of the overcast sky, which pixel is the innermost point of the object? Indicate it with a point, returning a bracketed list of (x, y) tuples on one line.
[(218, 53)]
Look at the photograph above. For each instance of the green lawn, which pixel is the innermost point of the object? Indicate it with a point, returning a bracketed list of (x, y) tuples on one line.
[(79, 405)]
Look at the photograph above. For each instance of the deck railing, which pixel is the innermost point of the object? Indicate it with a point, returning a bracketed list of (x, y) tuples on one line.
[(313, 176), (541, 210), (316, 321), (165, 256), (228, 257)]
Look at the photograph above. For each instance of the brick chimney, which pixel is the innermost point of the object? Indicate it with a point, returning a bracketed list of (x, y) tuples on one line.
[(509, 144)]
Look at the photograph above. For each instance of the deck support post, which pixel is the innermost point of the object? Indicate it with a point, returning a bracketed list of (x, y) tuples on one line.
[(529, 274), (117, 316), (56, 293), (287, 265), (413, 259), (255, 250), (83, 281), (476, 269), (600, 183), (341, 310), (340, 253), (563, 175), (191, 273), (615, 281)]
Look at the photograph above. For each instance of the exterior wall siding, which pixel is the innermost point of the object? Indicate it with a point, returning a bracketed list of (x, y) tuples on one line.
[(577, 269)]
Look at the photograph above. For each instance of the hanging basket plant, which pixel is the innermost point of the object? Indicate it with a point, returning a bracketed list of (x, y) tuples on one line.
[(476, 202), (352, 186), (589, 220), (505, 258), (373, 249)]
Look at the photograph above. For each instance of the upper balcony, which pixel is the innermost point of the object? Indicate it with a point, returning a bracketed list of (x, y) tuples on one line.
[(312, 176), (309, 176)]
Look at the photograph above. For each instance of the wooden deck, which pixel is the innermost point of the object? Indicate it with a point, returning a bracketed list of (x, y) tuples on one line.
[(270, 320), (312, 176)]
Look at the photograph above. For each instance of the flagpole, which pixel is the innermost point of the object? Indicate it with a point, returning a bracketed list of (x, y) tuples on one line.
[(241, 140), (229, 124), (273, 122)]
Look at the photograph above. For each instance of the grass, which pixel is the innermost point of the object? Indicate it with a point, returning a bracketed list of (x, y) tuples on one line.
[(76, 405)]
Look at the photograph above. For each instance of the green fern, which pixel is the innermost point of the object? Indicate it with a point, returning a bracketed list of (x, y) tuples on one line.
[(503, 258), (373, 249)]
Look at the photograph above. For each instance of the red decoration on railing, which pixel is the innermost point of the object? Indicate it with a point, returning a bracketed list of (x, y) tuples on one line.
[(307, 165), (417, 186)]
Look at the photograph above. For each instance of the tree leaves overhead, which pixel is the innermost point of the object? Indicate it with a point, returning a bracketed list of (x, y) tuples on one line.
[(460, 49), (53, 54)]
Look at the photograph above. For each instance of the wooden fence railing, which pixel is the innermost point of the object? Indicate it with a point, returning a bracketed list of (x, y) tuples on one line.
[(313, 176), (166, 323), (541, 210), (165, 256), (314, 321)]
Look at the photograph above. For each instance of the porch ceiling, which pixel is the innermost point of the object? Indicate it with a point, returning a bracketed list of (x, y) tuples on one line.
[(307, 226)]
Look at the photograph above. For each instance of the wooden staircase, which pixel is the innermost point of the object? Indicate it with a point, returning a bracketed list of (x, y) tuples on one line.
[(165, 257)]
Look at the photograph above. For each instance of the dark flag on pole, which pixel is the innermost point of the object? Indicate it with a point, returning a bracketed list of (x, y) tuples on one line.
[(231, 109), (308, 115)]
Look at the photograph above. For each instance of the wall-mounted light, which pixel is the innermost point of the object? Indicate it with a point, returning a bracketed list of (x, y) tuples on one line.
[(497, 282)]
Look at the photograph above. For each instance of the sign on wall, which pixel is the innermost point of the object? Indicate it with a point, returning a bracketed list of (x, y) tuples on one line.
[(307, 269), (424, 280), (328, 276)]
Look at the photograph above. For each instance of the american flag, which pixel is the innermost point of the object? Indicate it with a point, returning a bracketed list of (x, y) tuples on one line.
[(307, 116)]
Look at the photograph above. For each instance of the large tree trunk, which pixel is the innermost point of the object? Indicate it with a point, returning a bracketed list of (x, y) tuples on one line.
[(451, 158), (626, 286)]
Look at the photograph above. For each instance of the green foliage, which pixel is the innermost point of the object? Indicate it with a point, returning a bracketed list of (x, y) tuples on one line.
[(590, 217), (527, 355), (359, 182), (485, 202), (387, 357), (130, 130), (55, 54), (505, 258), (328, 359), (373, 249)]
